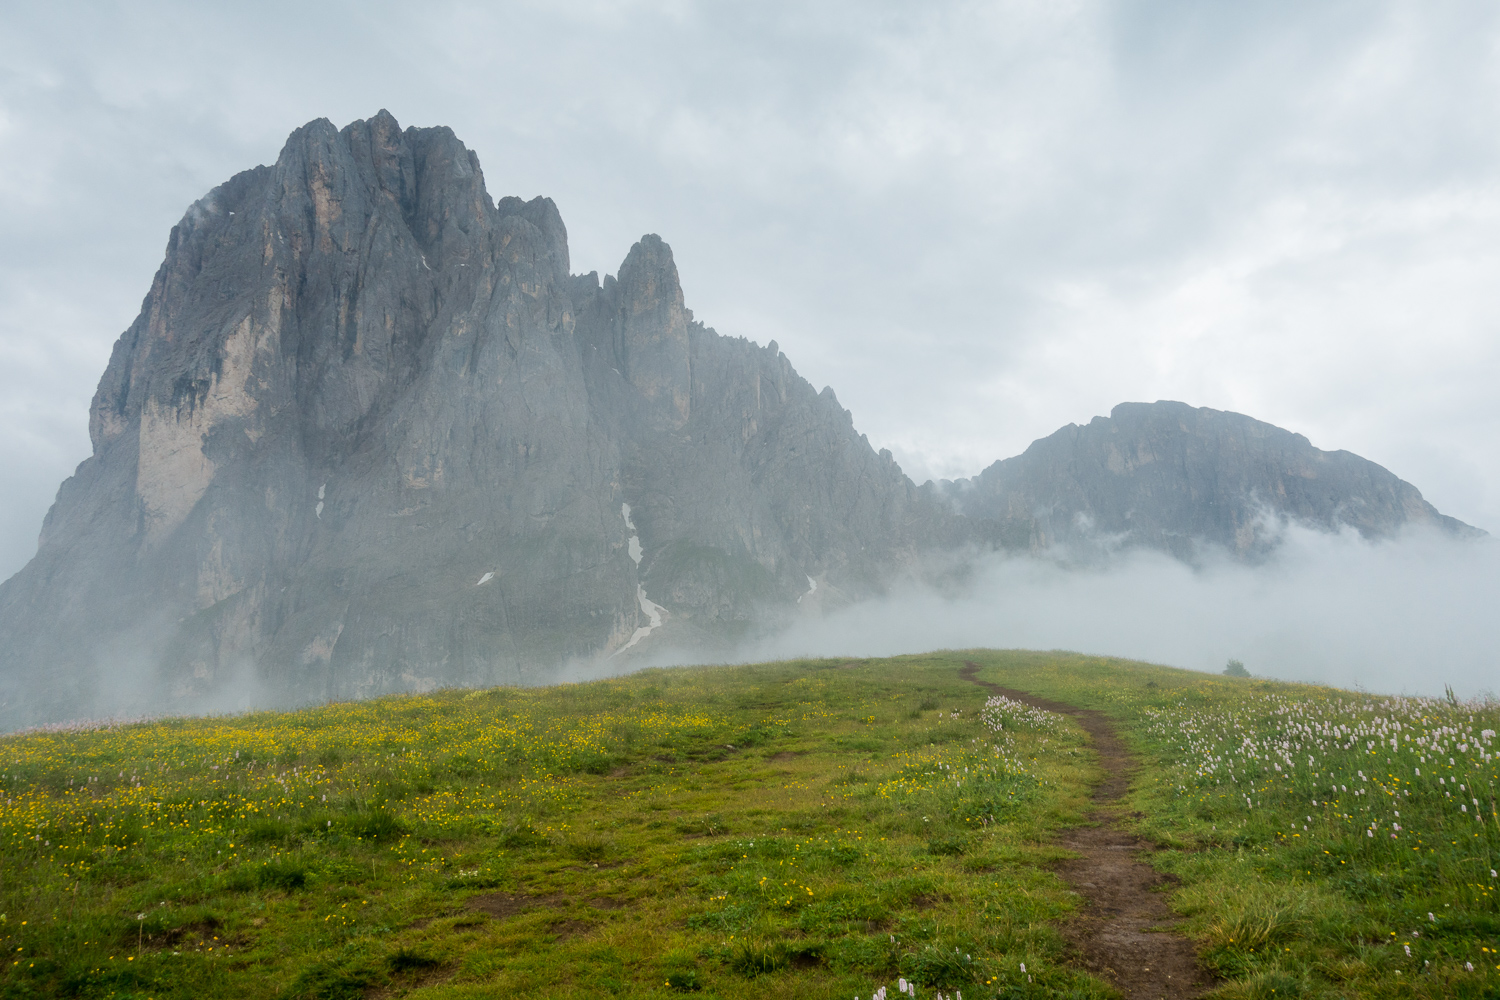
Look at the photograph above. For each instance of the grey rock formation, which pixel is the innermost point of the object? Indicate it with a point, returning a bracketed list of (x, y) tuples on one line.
[(1174, 477), (369, 434)]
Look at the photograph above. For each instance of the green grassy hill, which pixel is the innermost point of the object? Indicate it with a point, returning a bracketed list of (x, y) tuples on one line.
[(808, 829)]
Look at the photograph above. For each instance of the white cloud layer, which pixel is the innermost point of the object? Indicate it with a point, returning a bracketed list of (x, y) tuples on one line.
[(1409, 616), (978, 222)]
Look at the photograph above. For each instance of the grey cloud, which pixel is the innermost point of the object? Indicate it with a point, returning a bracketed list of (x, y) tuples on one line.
[(977, 223)]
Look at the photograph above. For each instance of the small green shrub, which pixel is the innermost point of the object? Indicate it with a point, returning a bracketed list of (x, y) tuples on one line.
[(751, 960), (939, 967), (1255, 927), (591, 848), (1272, 985), (267, 831), (284, 875), (947, 845), (329, 981), (371, 824), (684, 980), (756, 736), (521, 838)]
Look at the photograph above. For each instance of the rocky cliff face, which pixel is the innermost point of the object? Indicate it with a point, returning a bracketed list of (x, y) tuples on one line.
[(1174, 477), (368, 433)]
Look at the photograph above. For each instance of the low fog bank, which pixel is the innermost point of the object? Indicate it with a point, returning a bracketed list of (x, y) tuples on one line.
[(1409, 616), (1405, 616), (127, 686)]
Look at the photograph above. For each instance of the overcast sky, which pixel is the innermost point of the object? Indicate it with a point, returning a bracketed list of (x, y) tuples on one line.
[(977, 222)]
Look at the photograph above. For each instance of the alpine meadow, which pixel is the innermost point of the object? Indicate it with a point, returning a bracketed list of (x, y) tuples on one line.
[(806, 828)]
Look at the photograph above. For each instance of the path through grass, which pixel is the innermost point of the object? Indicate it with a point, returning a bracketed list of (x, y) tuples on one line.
[(1328, 843), (809, 829)]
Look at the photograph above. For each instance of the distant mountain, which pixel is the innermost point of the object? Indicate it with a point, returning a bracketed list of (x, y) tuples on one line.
[(370, 434), (1174, 477)]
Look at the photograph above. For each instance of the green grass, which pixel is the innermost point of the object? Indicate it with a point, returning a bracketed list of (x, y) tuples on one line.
[(809, 829), (1316, 857)]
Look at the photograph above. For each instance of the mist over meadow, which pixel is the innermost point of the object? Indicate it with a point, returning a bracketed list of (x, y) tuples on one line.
[(1412, 615), (1408, 616)]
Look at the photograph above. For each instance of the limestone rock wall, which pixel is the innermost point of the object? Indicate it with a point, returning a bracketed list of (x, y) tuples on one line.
[(369, 434)]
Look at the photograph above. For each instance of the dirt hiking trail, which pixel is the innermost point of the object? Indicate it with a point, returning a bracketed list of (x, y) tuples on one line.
[(1124, 932)]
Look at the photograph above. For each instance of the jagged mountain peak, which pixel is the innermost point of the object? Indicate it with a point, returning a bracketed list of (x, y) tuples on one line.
[(368, 433)]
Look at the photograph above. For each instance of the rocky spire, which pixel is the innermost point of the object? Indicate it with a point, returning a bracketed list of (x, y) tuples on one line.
[(651, 329)]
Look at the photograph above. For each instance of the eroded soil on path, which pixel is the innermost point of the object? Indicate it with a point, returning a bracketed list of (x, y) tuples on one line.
[(1124, 934)]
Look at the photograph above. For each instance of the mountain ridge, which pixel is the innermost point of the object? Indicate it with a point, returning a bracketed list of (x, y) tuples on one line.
[(1177, 477), (369, 433)]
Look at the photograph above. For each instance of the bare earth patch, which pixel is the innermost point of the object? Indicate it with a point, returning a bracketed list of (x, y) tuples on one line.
[(505, 904), (566, 929), (1125, 934), (604, 903)]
